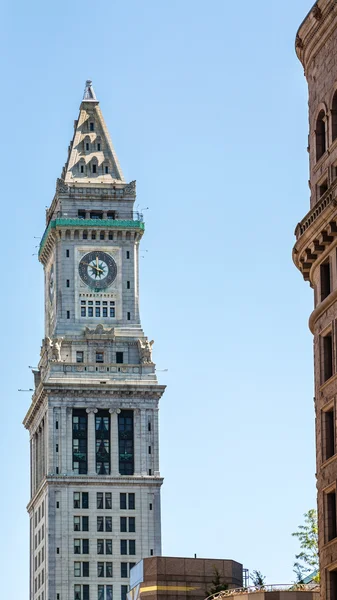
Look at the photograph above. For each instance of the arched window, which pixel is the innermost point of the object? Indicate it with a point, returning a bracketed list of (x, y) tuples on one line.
[(94, 166), (334, 117), (320, 135)]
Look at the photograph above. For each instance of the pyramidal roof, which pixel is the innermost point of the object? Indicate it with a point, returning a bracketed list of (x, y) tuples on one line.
[(91, 155)]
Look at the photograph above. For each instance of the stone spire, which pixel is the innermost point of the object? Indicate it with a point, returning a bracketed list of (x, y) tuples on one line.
[(91, 155), (89, 93)]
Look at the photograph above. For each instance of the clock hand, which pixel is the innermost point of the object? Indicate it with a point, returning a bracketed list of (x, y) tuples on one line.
[(93, 267)]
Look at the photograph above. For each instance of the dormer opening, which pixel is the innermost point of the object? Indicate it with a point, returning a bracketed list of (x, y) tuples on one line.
[(86, 144), (94, 166), (98, 143), (91, 126)]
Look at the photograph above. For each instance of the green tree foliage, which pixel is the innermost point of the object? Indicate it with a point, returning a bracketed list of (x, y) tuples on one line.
[(307, 560), (258, 579), (216, 586)]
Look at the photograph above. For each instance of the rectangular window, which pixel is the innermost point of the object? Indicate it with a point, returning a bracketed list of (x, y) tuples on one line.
[(125, 442), (124, 547), (112, 310), (111, 235), (68, 282), (102, 426), (108, 592), (98, 147), (81, 213), (128, 285), (100, 523), (104, 311), (106, 169), (149, 450), (129, 316), (327, 357), (85, 235), (127, 254), (124, 569), (100, 546), (90, 311), (86, 592), (332, 585), (77, 500), (85, 523), (101, 235), (91, 126), (99, 356), (80, 441), (77, 569), (108, 500), (99, 500), (85, 569), (94, 168), (132, 524), (93, 235), (85, 500), (132, 547), (97, 311), (68, 314), (330, 516), (77, 546), (322, 188), (119, 358), (100, 569), (328, 431), (100, 592), (87, 146), (124, 591), (85, 546), (77, 523), (79, 356), (325, 279), (67, 254), (131, 501), (108, 524), (77, 592), (96, 215), (122, 501), (108, 546), (108, 569), (123, 524)]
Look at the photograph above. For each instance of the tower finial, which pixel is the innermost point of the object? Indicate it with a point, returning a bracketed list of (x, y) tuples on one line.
[(89, 93)]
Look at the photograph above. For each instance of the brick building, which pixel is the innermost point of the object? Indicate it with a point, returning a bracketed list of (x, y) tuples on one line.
[(315, 255)]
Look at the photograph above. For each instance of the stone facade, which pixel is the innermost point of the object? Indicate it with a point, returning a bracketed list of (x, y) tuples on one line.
[(93, 421), (315, 255)]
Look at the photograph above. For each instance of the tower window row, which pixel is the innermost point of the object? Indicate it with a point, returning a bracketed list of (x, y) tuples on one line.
[(104, 592), (104, 569), (104, 501), (98, 309), (102, 442)]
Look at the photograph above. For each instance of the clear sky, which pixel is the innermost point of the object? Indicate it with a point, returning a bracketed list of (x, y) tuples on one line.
[(207, 108)]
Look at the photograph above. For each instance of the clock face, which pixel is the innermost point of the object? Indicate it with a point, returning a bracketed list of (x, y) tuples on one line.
[(97, 269), (51, 283)]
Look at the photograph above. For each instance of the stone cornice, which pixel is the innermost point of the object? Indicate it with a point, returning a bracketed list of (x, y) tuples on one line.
[(78, 480), (315, 30), (109, 392)]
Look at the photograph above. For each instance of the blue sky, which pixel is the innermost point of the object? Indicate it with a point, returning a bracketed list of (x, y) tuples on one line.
[(207, 109)]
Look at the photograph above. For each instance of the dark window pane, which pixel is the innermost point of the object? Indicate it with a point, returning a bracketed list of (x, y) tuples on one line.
[(108, 524), (132, 546), (122, 501), (85, 500), (108, 569), (124, 569), (85, 523), (108, 500), (99, 500), (100, 546), (123, 524), (85, 566), (100, 569), (124, 549), (85, 546), (131, 501), (100, 524), (108, 546), (132, 524)]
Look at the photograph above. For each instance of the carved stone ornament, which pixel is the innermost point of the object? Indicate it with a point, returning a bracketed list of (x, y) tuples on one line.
[(145, 351), (130, 189), (317, 13), (299, 42), (54, 349), (61, 187), (100, 330)]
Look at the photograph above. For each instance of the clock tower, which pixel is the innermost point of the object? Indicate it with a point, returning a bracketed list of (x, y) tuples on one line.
[(93, 422)]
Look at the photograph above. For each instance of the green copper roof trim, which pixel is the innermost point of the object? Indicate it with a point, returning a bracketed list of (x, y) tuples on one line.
[(92, 223)]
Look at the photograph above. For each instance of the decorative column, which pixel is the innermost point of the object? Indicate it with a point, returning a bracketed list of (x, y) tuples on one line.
[(137, 440), (143, 442), (91, 449), (63, 442), (114, 454), (32, 465), (69, 440)]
